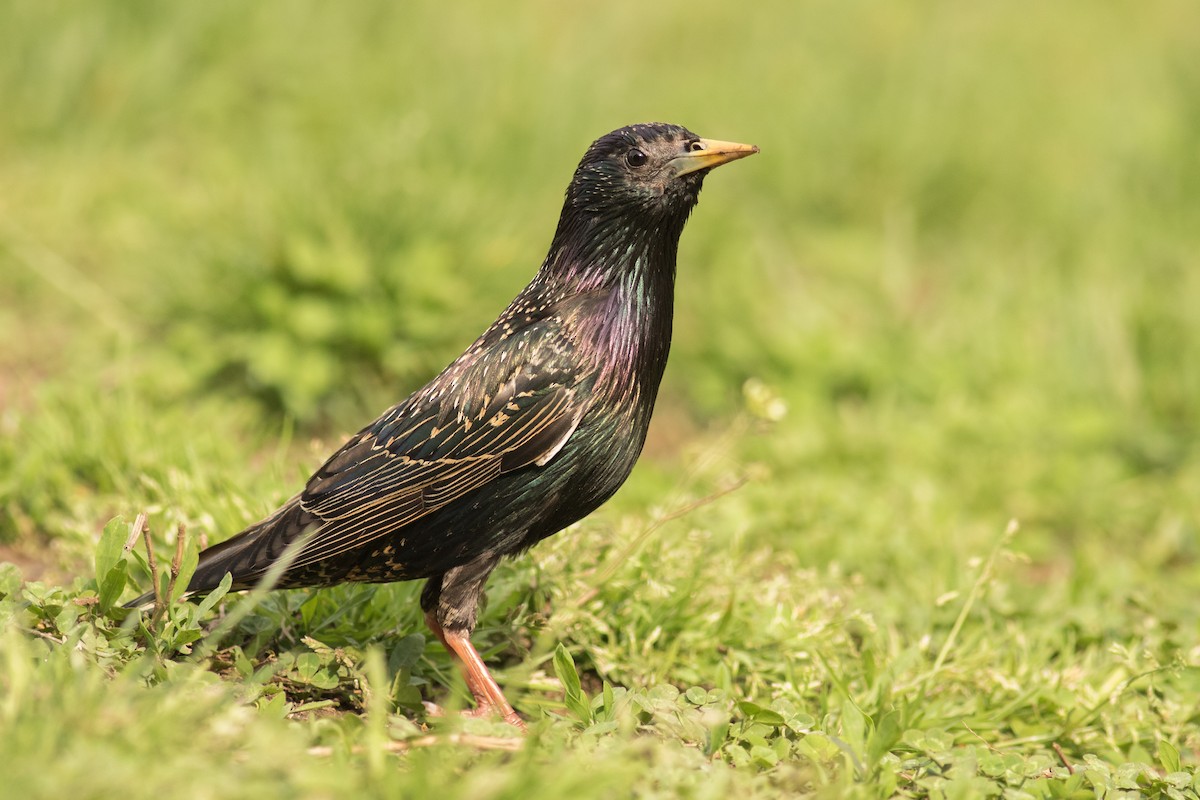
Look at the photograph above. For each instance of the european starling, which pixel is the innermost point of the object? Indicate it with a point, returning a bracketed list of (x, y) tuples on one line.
[(531, 429)]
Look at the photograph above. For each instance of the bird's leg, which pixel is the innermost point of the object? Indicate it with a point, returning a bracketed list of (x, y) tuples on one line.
[(451, 602), (488, 697)]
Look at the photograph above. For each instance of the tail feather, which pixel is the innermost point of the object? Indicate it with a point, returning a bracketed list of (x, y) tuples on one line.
[(140, 601), (247, 555)]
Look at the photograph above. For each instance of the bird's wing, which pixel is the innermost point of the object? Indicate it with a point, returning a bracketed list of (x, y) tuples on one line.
[(418, 457)]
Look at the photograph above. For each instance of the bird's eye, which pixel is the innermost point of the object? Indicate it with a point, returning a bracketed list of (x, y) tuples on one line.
[(635, 158), (696, 146)]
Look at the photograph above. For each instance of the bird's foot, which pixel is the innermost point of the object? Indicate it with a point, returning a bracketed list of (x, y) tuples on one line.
[(487, 710), (508, 715), (489, 699)]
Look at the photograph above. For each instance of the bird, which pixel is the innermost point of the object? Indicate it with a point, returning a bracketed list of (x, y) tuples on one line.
[(532, 428)]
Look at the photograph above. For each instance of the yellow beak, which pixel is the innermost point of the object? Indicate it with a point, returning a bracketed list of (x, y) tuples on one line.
[(708, 153)]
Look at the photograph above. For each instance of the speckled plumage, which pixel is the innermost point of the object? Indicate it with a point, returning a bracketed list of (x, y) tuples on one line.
[(530, 429)]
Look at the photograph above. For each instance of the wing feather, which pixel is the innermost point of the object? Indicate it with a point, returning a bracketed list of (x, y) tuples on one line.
[(414, 460)]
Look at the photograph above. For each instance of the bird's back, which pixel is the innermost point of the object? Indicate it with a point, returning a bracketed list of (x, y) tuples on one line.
[(530, 430), (536, 424)]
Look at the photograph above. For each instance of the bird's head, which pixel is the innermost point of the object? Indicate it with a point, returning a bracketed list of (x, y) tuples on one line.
[(627, 205), (652, 170)]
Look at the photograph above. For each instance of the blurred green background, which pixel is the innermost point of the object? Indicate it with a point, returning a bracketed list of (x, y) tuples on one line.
[(966, 257), (966, 260)]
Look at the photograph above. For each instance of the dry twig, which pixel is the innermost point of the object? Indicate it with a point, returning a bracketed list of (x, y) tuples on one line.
[(160, 605), (509, 743), (1063, 758), (180, 539)]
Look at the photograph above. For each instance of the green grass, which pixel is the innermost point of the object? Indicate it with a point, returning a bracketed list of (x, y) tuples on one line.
[(965, 263)]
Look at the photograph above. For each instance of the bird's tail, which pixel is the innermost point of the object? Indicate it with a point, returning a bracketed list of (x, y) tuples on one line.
[(246, 555), (140, 601)]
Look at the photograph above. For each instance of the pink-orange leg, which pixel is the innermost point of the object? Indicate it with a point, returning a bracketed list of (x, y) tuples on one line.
[(488, 697)]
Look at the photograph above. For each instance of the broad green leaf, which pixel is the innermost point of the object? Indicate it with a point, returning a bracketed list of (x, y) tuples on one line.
[(307, 665), (717, 736), (738, 756), (186, 637), (10, 579), (756, 713), (326, 680), (573, 695), (763, 756), (407, 697), (883, 738), (610, 703), (406, 652), (854, 726), (110, 548), (112, 585), (215, 595), (65, 620), (276, 706), (187, 567), (1168, 756), (818, 747)]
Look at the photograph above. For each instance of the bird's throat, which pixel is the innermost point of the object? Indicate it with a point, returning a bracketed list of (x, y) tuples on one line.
[(628, 261)]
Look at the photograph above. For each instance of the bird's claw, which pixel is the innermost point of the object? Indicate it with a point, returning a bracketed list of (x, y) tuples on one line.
[(486, 710)]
